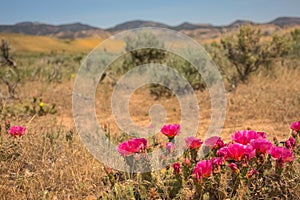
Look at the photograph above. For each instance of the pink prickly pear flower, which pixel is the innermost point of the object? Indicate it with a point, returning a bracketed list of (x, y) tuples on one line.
[(290, 143), (170, 130), (130, 147), (281, 155), (193, 143), (203, 169), (222, 152), (244, 137), (295, 126), (238, 151), (217, 161), (16, 131), (214, 142), (262, 146)]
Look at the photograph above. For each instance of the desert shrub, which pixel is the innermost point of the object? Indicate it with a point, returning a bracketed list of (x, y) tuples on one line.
[(295, 34), (296, 41), (158, 56), (9, 73), (139, 56), (246, 52)]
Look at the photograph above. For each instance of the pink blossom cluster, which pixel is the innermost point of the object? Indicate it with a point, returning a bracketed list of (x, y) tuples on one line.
[(16, 131), (244, 146), (248, 143)]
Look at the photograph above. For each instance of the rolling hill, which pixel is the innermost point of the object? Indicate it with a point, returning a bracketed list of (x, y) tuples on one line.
[(33, 43), (65, 31), (41, 37), (285, 21)]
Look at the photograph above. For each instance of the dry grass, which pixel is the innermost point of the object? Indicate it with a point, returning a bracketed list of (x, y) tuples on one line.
[(49, 167)]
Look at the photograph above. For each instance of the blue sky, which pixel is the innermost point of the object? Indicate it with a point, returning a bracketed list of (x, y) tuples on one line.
[(107, 13)]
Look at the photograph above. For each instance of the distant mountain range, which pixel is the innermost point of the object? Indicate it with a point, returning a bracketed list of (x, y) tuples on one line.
[(67, 31), (79, 30)]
